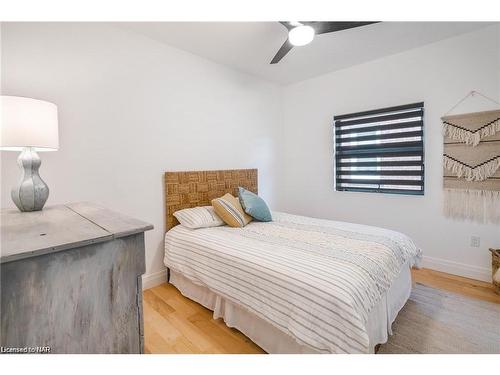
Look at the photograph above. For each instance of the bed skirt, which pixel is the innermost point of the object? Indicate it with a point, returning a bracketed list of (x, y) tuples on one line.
[(275, 341)]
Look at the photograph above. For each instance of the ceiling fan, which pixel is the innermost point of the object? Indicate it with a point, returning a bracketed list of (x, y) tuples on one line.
[(302, 33)]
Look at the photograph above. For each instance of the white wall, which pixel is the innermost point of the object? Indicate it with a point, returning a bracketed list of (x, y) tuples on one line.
[(439, 74), (131, 108)]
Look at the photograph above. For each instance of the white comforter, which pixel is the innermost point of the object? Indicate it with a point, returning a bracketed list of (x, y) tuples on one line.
[(314, 279)]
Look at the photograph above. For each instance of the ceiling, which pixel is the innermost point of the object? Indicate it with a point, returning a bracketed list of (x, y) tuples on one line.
[(250, 46)]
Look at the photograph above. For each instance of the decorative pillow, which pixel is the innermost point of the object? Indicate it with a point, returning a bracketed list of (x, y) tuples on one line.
[(254, 205), (230, 210), (198, 217)]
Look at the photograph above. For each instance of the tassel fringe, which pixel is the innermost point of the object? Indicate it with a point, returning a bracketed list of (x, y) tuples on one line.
[(479, 173), (469, 137), (482, 206)]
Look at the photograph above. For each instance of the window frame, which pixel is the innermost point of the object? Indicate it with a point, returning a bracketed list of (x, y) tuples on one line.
[(399, 149)]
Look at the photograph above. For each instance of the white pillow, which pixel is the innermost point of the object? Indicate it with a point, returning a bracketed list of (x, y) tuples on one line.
[(198, 217)]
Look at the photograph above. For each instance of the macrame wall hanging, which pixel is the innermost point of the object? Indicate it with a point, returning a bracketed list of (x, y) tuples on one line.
[(471, 162)]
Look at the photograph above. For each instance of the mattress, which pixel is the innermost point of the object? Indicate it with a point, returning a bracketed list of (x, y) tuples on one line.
[(316, 281)]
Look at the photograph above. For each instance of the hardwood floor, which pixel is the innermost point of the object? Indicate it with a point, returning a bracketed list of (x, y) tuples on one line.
[(175, 324), (456, 284)]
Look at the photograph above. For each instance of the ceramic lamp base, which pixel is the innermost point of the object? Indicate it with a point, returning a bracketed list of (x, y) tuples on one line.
[(31, 193)]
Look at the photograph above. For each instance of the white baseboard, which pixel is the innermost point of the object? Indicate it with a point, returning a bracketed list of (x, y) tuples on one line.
[(153, 279), (455, 268)]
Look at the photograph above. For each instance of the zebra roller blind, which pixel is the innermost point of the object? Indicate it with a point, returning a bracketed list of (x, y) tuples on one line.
[(381, 151)]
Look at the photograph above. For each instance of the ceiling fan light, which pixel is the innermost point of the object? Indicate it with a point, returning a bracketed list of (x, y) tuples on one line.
[(301, 35)]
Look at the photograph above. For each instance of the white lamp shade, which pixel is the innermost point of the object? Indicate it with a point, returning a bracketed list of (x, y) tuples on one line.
[(28, 123)]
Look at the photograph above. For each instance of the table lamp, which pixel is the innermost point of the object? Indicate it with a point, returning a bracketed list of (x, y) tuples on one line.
[(28, 125)]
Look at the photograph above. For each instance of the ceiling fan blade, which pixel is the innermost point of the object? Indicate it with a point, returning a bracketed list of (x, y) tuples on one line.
[(287, 25), (319, 27), (285, 48), (329, 27)]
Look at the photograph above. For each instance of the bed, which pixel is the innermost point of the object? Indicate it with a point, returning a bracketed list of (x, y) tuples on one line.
[(293, 285)]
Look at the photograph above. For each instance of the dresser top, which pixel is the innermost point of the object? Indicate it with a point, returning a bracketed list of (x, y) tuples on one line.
[(62, 227)]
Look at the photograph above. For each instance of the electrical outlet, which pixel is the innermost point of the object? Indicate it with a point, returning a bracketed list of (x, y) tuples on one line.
[(475, 241)]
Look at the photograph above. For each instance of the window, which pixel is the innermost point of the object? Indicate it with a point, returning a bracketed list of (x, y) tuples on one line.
[(381, 151)]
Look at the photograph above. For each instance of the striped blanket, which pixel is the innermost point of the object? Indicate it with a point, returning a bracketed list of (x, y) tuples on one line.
[(316, 280)]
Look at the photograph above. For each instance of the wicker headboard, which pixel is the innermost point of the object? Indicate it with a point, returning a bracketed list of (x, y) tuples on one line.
[(198, 188)]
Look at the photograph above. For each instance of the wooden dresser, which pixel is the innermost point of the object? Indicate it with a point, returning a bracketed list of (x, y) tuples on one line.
[(71, 280)]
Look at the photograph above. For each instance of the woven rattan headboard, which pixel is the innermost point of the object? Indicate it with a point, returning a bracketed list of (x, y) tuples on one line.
[(198, 188)]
